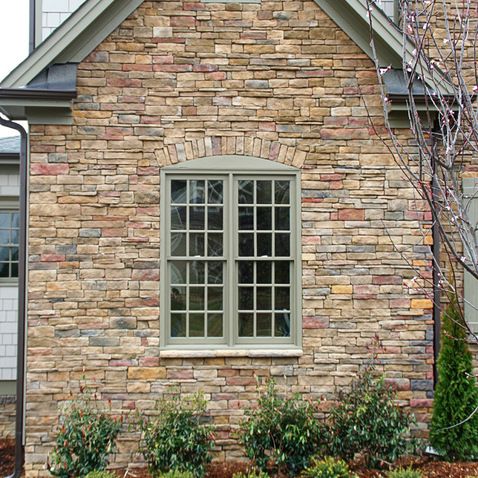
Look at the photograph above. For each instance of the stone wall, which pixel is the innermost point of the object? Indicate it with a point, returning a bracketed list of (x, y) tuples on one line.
[(179, 81), (7, 416)]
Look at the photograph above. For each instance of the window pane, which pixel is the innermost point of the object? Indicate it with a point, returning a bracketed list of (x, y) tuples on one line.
[(282, 298), (196, 325), (4, 236), (215, 273), (14, 252), (214, 298), (282, 324), (246, 325), (214, 325), (196, 191), (178, 298), (178, 244), (5, 219), (214, 244), (196, 298), (264, 272), (215, 192), (196, 244), (16, 219), (246, 244), (196, 272), (4, 269), (282, 272), (4, 253), (246, 218), (264, 192), (246, 273), (282, 192), (178, 325), (14, 269), (282, 244), (15, 236), (264, 218), (264, 244), (178, 218), (264, 298), (246, 192), (264, 325), (178, 191), (282, 218), (214, 218), (178, 272), (246, 298), (196, 217)]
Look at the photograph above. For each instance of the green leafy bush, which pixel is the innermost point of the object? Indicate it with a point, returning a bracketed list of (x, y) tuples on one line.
[(281, 431), (368, 422), (404, 473), (101, 474), (454, 425), (177, 474), (176, 439), (328, 468), (251, 474), (86, 438)]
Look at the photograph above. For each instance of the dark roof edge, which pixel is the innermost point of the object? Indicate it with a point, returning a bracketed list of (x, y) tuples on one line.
[(36, 94)]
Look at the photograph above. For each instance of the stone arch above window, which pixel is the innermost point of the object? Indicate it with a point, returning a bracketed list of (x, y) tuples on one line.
[(230, 254)]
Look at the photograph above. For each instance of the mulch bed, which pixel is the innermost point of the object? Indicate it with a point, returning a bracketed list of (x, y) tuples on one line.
[(7, 457), (429, 467)]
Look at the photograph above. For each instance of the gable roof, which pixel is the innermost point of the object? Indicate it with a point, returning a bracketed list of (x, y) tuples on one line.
[(94, 20), (73, 40)]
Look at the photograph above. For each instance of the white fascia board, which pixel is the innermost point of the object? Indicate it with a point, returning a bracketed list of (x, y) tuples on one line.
[(71, 37)]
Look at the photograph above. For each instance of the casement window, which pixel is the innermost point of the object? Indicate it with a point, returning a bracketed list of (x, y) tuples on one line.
[(470, 191), (230, 242), (9, 240)]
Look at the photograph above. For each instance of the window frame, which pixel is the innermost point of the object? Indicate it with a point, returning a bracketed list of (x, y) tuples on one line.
[(234, 168), (10, 205)]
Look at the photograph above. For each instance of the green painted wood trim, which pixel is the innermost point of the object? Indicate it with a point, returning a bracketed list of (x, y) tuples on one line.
[(77, 36), (351, 16), (470, 191), (8, 387)]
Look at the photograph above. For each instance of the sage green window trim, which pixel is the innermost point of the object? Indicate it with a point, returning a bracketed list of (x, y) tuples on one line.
[(9, 207), (470, 192), (285, 334)]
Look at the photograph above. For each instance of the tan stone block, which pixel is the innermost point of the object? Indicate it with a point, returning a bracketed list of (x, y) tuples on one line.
[(146, 373)]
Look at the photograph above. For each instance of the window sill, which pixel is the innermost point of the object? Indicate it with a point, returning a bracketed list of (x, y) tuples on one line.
[(211, 353)]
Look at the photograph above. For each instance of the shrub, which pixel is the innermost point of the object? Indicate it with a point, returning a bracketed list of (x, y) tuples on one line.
[(176, 439), (101, 474), (454, 425), (328, 468), (282, 431), (251, 474), (367, 422), (404, 473), (86, 438)]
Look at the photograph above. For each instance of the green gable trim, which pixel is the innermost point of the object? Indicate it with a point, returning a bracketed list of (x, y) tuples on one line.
[(72, 41)]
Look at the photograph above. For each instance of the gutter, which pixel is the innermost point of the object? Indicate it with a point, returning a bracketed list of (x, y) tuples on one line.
[(19, 455), (36, 94)]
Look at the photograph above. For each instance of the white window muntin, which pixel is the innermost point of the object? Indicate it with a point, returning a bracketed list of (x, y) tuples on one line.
[(231, 169)]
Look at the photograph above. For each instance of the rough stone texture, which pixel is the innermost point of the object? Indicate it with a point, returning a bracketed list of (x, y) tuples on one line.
[(179, 81), (7, 416)]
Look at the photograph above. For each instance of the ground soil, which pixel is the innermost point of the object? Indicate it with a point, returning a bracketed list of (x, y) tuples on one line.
[(429, 467)]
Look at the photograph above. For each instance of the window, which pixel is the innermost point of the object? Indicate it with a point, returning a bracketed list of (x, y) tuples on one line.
[(229, 249), (9, 239)]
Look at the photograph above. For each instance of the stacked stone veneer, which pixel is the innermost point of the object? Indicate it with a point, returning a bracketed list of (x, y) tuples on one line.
[(7, 416), (179, 81)]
